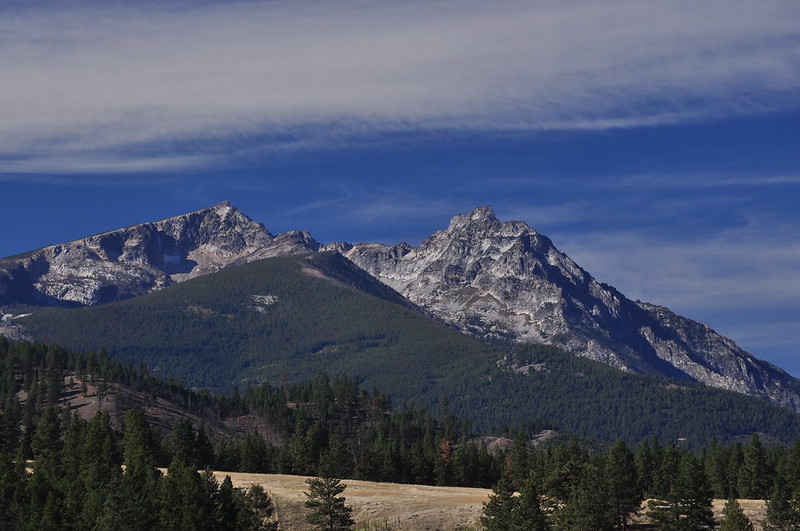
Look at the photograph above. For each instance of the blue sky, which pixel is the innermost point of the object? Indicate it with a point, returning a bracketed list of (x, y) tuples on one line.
[(656, 143)]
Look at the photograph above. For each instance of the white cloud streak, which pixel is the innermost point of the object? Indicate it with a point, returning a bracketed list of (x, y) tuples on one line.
[(110, 87), (750, 268)]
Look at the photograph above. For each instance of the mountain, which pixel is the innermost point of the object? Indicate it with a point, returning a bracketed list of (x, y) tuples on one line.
[(283, 319), (129, 262), (507, 281), (501, 281)]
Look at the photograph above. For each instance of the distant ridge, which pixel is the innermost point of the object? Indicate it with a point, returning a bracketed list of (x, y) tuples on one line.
[(501, 281)]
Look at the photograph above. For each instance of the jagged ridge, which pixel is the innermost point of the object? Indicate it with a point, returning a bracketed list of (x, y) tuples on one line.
[(505, 280), (132, 261), (495, 280)]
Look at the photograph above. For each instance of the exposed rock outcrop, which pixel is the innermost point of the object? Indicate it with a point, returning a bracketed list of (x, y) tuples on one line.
[(128, 262), (491, 279), (505, 280)]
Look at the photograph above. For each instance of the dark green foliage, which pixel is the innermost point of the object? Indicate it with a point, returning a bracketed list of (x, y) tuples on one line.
[(625, 495), (212, 332), (687, 507), (783, 507), (735, 519), (78, 482), (507, 511), (755, 477), (498, 512), (334, 425), (328, 510), (255, 454)]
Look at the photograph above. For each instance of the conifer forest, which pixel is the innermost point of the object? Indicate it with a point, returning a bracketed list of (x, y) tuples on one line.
[(117, 470)]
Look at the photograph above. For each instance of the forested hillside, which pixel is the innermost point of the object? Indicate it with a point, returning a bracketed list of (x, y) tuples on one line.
[(333, 428), (283, 320)]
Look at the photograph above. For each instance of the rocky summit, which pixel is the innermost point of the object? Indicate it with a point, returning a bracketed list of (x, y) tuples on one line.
[(497, 280), (127, 262), (507, 281)]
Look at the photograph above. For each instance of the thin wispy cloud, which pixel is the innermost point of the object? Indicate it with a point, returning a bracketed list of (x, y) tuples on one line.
[(118, 88), (751, 267)]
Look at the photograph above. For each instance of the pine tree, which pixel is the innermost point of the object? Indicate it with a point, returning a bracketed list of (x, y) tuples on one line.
[(498, 512), (204, 450), (183, 443), (328, 509), (138, 443), (588, 507), (183, 499), (735, 519), (626, 498), (336, 460), (529, 515), (139, 485), (255, 455), (98, 467), (259, 508), (754, 475), (783, 510), (688, 506)]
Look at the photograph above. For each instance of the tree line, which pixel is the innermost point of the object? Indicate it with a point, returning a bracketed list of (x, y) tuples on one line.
[(333, 427), (572, 488), (83, 475)]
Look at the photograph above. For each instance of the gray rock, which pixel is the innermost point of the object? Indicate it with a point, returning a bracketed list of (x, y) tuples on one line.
[(505, 280), (136, 260), (490, 279)]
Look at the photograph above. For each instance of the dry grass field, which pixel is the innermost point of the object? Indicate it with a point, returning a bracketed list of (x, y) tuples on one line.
[(377, 506), (392, 506)]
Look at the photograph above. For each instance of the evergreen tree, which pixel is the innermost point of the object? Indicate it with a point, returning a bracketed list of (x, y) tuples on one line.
[(183, 502), (99, 467), (498, 512), (735, 462), (518, 460), (688, 506), (183, 443), (588, 507), (754, 474), (259, 509), (139, 486), (204, 450), (255, 455), (625, 495), (735, 519), (529, 514), (783, 509), (328, 509), (138, 444), (506, 511), (335, 460)]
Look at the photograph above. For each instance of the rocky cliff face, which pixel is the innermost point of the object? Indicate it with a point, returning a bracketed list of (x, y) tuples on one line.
[(505, 280), (490, 279), (132, 261)]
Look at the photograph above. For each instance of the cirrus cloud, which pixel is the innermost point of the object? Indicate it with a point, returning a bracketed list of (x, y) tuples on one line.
[(96, 87)]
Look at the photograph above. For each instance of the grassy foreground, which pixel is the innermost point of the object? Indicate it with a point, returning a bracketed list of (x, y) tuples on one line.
[(376, 506), (393, 506)]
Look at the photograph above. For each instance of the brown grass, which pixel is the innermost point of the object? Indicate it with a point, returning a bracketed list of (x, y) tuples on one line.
[(393, 506), (377, 506)]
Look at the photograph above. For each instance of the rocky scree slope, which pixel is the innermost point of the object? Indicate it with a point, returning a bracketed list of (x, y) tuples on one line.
[(507, 281)]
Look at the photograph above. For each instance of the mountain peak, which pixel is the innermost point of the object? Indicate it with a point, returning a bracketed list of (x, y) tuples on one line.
[(480, 218)]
